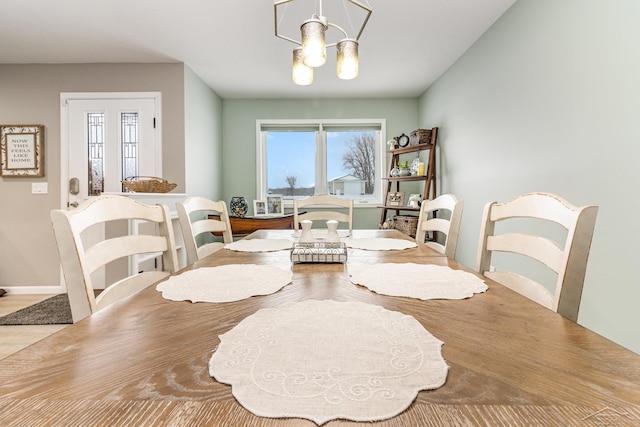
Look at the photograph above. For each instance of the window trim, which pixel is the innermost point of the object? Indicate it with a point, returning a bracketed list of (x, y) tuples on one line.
[(319, 125)]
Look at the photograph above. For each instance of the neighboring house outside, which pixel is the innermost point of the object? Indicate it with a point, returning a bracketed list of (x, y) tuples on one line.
[(346, 185)]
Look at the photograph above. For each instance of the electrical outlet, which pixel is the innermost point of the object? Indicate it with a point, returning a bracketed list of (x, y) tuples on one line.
[(39, 188)]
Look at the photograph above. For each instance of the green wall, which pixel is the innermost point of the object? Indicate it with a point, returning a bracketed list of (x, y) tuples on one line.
[(203, 138), (239, 134), (548, 100)]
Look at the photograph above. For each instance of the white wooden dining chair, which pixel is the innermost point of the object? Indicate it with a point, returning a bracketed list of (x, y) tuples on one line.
[(568, 260), (440, 215), (325, 203), (197, 226), (80, 257)]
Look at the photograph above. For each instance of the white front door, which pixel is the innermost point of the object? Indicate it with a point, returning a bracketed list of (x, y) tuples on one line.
[(106, 137)]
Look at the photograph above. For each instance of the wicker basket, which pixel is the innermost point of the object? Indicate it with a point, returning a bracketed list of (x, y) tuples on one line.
[(420, 136), (148, 184), (408, 224)]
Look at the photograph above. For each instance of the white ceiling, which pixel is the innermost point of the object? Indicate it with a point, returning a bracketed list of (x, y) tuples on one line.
[(231, 45)]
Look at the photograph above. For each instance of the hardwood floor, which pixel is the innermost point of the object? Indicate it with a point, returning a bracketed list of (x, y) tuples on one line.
[(15, 338)]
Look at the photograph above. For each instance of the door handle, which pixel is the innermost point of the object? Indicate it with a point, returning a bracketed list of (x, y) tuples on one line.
[(73, 204), (74, 186)]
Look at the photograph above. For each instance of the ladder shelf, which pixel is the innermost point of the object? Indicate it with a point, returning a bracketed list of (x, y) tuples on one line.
[(429, 177)]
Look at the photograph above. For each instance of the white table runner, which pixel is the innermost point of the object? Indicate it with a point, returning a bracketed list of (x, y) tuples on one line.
[(225, 283), (324, 360), (321, 233), (380, 244), (260, 245), (417, 281)]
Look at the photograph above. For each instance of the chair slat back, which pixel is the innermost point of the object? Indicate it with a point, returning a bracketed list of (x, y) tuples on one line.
[(568, 259), (432, 220), (197, 226), (324, 201), (79, 259)]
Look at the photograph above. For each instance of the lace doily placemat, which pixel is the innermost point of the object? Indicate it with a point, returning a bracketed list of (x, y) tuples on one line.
[(259, 245), (418, 281), (380, 244), (324, 360), (225, 283)]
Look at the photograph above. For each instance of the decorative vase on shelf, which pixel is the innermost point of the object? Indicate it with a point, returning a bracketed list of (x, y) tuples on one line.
[(306, 236), (238, 206), (405, 172), (332, 231)]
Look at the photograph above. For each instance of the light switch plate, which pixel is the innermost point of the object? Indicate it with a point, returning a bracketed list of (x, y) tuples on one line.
[(39, 187)]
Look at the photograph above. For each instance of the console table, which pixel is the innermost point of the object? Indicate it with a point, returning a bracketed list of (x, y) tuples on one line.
[(241, 226)]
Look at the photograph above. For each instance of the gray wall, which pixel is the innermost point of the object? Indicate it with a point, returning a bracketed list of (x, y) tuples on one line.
[(240, 136), (30, 94), (548, 100)]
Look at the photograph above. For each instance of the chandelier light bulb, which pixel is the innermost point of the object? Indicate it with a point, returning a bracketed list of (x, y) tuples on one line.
[(301, 74), (317, 34), (314, 47), (347, 64)]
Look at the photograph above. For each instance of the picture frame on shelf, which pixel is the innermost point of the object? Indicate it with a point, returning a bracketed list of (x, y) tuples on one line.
[(22, 150), (275, 205), (395, 199), (260, 208)]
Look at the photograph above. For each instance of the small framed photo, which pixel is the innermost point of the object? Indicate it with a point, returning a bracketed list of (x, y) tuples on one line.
[(22, 150), (275, 206), (259, 208), (395, 199)]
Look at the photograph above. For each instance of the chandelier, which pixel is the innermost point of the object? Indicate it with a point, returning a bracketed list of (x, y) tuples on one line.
[(311, 50)]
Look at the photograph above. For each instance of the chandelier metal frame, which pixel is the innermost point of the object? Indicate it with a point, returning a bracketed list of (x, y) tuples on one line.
[(320, 16)]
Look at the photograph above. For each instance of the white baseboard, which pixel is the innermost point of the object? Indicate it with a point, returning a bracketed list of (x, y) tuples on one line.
[(54, 289)]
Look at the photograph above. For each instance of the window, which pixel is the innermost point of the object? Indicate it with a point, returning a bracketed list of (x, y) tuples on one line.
[(129, 141), (96, 144), (299, 158), (95, 139)]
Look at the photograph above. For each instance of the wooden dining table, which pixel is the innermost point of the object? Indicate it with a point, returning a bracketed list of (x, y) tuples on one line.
[(143, 360)]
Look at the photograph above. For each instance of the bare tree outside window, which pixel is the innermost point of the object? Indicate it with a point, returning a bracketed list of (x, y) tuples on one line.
[(361, 157), (291, 181), (303, 158)]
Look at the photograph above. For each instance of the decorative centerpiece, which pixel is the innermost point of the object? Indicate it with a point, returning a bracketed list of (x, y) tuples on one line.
[(309, 249), (319, 252)]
